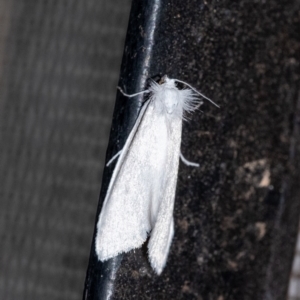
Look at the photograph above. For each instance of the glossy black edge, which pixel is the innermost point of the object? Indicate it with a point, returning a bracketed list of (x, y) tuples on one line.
[(285, 237), (144, 16)]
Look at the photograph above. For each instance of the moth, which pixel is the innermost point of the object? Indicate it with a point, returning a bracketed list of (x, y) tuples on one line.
[(141, 193)]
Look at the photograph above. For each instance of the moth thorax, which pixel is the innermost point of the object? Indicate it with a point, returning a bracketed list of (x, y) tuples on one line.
[(171, 100)]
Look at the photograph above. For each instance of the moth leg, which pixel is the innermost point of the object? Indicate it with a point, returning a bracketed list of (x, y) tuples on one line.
[(132, 95), (113, 158), (188, 163)]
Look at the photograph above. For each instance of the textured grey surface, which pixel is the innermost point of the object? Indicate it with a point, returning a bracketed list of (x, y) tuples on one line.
[(59, 66)]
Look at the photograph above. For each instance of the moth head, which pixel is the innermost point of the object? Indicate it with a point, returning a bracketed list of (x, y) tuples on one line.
[(163, 79), (167, 82)]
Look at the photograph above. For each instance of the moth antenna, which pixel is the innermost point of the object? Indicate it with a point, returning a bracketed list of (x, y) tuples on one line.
[(198, 93), (132, 95)]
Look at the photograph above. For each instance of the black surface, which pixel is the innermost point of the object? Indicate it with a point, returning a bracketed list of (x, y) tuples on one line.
[(234, 232)]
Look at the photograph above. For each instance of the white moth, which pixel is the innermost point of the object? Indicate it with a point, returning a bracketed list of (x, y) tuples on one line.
[(141, 193)]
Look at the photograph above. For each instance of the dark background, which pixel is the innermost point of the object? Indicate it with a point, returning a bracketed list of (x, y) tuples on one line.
[(59, 68)]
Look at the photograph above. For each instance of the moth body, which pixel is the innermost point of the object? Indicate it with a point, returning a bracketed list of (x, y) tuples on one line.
[(141, 193)]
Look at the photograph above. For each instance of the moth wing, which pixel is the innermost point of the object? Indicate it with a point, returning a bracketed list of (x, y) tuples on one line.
[(163, 231), (130, 207)]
